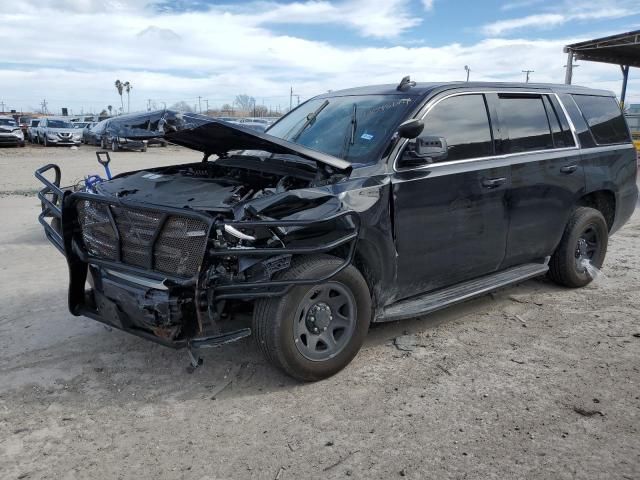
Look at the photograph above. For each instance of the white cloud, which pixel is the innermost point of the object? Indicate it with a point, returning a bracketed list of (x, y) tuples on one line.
[(427, 4), (519, 4), (561, 14), (73, 60), (538, 21)]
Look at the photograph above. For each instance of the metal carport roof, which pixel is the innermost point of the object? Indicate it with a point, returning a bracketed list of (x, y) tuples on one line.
[(622, 49)]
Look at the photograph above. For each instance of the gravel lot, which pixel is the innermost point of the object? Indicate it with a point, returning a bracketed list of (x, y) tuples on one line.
[(534, 381)]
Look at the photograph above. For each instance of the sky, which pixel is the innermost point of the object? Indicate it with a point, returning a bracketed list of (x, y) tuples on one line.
[(70, 52)]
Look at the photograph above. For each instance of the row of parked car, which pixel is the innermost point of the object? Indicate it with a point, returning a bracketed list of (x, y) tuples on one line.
[(125, 132)]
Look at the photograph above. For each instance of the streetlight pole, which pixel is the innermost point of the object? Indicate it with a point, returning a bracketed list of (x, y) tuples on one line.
[(468, 70), (527, 72)]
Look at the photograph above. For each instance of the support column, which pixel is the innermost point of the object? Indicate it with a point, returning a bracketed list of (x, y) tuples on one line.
[(625, 77), (569, 73)]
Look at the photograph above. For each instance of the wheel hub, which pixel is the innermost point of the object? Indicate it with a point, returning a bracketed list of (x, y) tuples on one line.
[(319, 317)]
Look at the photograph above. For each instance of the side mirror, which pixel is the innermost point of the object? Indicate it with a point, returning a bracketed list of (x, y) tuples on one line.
[(411, 128), (423, 151)]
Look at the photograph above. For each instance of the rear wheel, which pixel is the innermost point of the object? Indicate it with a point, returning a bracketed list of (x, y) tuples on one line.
[(114, 146), (314, 331), (45, 142), (583, 246)]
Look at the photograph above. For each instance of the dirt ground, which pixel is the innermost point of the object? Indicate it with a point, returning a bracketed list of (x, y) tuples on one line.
[(535, 381)]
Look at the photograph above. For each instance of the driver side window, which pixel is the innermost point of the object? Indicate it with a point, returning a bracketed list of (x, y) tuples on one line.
[(463, 122)]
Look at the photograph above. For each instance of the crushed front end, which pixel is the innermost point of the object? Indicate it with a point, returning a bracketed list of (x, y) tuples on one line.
[(182, 272)]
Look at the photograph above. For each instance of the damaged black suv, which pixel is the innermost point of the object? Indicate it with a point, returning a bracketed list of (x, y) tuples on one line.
[(365, 205)]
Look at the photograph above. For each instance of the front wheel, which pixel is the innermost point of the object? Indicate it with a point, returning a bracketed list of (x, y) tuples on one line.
[(583, 246), (45, 141), (314, 331), (114, 146)]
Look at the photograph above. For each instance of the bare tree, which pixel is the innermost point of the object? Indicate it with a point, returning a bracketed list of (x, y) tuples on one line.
[(260, 111), (120, 88), (245, 102), (181, 107)]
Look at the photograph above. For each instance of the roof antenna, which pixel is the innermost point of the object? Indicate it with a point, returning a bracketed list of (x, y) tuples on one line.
[(405, 84)]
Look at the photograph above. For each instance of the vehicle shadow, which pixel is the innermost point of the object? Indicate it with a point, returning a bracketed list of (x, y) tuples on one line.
[(106, 360)]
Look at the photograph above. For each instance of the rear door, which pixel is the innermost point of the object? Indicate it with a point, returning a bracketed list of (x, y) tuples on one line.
[(450, 216), (547, 175)]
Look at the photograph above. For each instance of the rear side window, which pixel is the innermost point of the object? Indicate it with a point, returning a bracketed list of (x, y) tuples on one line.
[(464, 123), (604, 117), (525, 120), (560, 130)]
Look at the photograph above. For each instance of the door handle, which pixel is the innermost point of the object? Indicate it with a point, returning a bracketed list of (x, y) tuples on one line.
[(569, 169), (493, 182)]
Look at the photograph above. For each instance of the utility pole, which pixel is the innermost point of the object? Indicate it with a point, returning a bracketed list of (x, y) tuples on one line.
[(468, 70), (527, 72), (199, 104), (44, 106), (148, 104), (207, 102), (291, 98), (2, 106)]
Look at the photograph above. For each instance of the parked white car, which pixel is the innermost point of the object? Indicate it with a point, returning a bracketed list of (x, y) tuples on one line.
[(10, 132)]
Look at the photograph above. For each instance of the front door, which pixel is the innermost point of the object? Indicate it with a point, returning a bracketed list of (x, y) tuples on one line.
[(450, 217)]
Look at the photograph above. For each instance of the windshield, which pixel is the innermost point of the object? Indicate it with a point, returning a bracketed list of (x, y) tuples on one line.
[(8, 123), (59, 124), (355, 128)]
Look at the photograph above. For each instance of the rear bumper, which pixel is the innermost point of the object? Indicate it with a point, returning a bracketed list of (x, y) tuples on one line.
[(167, 309)]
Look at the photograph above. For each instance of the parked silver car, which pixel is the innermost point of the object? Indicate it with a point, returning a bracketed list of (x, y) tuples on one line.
[(32, 130), (10, 132), (58, 131)]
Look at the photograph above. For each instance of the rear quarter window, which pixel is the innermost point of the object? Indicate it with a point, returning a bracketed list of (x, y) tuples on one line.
[(604, 117)]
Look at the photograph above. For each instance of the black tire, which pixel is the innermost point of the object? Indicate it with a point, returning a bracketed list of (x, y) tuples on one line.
[(565, 264), (114, 146), (45, 142), (102, 144), (274, 320)]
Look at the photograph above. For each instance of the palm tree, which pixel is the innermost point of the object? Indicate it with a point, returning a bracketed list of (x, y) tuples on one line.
[(109, 107), (127, 88), (120, 87)]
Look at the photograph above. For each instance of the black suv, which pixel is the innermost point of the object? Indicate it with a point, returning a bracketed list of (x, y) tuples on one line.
[(365, 205)]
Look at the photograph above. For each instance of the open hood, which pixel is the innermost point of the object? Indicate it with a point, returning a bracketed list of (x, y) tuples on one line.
[(216, 137)]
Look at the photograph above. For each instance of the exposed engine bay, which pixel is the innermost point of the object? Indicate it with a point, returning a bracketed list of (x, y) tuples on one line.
[(219, 185)]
